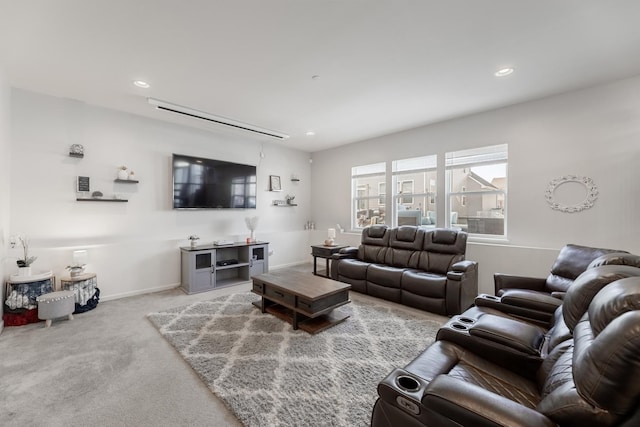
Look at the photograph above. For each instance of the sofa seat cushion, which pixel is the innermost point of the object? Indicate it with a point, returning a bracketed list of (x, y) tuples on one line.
[(424, 284), (443, 357), (384, 275), (384, 282)]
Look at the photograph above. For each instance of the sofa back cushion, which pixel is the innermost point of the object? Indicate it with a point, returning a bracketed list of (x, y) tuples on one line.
[(595, 381), (374, 244), (586, 286), (571, 262), (616, 258), (442, 248), (405, 243)]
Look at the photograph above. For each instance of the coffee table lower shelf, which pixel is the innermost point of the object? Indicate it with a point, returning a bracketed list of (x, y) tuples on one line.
[(311, 325)]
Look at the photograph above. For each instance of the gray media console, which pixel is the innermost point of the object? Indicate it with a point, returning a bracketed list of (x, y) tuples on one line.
[(209, 267)]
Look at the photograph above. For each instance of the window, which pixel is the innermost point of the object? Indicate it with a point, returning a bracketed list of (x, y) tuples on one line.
[(477, 190), (367, 195), (406, 190), (414, 181), (361, 193)]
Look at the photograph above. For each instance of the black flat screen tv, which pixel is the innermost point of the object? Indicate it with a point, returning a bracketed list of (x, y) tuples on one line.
[(200, 183)]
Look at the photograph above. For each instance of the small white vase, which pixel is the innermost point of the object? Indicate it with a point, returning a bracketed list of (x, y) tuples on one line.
[(123, 174)]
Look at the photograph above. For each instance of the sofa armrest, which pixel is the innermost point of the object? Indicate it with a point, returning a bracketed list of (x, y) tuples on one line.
[(346, 253), (462, 286), (532, 306), (450, 401), (463, 266), (531, 299), (510, 343), (508, 281)]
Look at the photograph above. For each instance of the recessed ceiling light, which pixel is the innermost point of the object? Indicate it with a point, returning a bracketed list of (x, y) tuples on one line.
[(142, 84), (310, 133), (502, 72)]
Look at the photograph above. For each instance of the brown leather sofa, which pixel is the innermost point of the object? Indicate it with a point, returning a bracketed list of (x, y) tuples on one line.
[(411, 266), (538, 298), (488, 368)]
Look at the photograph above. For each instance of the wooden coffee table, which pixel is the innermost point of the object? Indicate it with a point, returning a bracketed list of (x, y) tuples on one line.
[(305, 301)]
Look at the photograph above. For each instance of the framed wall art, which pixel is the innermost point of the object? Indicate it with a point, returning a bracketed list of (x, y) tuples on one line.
[(274, 183)]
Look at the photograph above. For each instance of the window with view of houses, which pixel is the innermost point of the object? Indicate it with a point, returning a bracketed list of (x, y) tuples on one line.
[(368, 195), (475, 187), (477, 190), (414, 181)]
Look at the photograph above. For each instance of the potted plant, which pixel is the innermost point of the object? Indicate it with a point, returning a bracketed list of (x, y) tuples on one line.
[(194, 240), (122, 173), (24, 264)]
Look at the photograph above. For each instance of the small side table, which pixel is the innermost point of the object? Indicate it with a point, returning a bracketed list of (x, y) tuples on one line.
[(324, 251), (83, 286), (22, 291)]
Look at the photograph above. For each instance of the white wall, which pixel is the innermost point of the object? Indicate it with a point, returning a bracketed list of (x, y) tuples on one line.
[(592, 132), (133, 247), (5, 180)]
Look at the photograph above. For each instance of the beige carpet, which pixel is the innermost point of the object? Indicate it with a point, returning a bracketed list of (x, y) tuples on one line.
[(270, 375), (108, 367)]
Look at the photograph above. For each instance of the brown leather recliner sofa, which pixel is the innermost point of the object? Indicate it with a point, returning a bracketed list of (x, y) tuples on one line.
[(537, 298), (425, 269), (488, 368)]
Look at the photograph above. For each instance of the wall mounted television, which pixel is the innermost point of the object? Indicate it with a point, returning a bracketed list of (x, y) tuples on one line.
[(200, 183)]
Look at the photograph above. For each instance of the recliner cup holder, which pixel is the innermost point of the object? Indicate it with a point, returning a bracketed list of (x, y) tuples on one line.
[(407, 383), (459, 326), (465, 320), (493, 297)]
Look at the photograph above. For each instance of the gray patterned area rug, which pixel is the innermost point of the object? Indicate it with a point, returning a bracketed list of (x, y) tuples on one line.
[(270, 375)]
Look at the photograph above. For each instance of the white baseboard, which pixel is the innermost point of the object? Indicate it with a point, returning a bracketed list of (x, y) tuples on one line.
[(293, 264), (140, 292)]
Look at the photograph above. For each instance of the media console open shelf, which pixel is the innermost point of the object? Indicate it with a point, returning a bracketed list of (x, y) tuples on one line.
[(209, 267)]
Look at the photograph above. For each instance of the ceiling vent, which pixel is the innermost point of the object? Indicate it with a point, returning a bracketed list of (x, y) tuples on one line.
[(190, 112)]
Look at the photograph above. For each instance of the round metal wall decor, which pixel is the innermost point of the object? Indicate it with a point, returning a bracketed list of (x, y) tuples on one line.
[(589, 200)]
